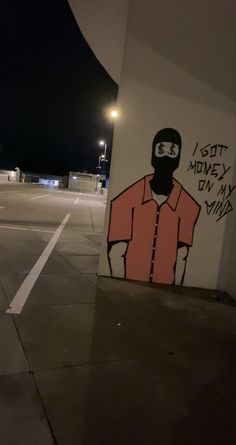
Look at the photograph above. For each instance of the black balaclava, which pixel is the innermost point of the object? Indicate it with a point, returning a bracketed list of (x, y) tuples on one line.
[(162, 181)]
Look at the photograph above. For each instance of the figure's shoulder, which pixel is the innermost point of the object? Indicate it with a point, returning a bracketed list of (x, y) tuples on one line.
[(134, 190), (188, 197), (187, 200)]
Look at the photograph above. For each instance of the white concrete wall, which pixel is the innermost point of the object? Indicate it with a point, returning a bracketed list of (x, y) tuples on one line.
[(227, 275), (8, 175), (3, 178), (103, 24), (179, 71)]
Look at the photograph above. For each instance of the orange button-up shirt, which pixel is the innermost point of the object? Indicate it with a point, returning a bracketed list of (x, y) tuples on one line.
[(153, 232)]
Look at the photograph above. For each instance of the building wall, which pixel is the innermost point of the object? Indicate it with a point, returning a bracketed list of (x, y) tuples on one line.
[(227, 277), (103, 25), (8, 175), (179, 71), (82, 182)]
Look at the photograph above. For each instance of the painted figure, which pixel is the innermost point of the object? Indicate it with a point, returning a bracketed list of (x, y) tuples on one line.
[(152, 221)]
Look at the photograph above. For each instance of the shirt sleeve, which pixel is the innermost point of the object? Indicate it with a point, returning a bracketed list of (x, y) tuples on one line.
[(121, 218), (190, 210)]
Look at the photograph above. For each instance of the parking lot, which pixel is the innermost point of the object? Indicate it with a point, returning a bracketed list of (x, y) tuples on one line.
[(47, 237), (87, 360)]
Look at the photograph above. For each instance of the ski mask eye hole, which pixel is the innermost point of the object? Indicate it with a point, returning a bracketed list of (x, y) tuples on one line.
[(173, 150), (160, 149), (166, 149)]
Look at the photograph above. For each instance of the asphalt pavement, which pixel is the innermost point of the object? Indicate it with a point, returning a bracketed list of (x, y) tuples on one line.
[(94, 360)]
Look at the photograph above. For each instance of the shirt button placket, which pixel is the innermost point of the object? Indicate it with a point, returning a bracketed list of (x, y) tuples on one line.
[(154, 246)]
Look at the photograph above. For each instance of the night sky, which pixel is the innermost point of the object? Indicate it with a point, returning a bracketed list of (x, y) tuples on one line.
[(53, 91)]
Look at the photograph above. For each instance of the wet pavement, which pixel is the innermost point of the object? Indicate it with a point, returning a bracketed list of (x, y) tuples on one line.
[(101, 361)]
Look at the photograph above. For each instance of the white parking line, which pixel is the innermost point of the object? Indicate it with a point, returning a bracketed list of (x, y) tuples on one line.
[(77, 199), (23, 292), (26, 228), (38, 197)]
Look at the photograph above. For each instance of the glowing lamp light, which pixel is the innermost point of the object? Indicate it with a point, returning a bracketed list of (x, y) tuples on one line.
[(114, 113)]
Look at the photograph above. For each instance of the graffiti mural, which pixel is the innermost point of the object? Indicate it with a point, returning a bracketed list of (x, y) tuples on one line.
[(211, 170), (152, 222)]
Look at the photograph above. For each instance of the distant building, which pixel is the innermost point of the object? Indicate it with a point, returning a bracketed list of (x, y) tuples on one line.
[(9, 175), (83, 182), (45, 179)]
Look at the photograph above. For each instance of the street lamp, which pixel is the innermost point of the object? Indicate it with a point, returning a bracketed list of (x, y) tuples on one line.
[(103, 157), (103, 143), (114, 114)]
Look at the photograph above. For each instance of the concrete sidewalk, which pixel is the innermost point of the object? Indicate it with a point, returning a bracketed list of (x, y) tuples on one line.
[(124, 364), (100, 361)]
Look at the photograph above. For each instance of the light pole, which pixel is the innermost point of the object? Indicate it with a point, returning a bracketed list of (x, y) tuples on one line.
[(103, 143), (112, 114), (103, 157)]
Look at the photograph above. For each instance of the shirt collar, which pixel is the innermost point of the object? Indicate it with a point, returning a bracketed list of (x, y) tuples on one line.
[(173, 198)]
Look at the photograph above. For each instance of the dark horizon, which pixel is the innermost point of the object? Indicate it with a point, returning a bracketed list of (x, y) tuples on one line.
[(53, 91)]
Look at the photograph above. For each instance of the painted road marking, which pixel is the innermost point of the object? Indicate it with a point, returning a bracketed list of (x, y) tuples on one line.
[(77, 199), (38, 197), (26, 228), (23, 292), (2, 207)]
